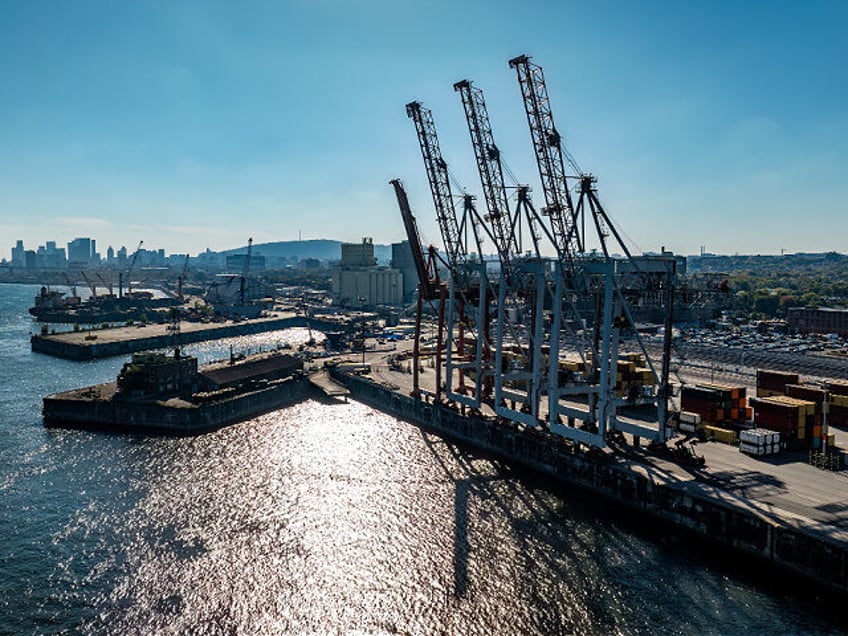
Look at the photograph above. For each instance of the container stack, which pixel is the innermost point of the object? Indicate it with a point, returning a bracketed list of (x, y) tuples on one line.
[(794, 419), (771, 383), (570, 369), (716, 403), (759, 441), (690, 422), (837, 403), (721, 434), (633, 375)]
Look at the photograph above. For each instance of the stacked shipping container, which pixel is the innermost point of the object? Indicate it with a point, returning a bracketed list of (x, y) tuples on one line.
[(774, 382), (715, 402)]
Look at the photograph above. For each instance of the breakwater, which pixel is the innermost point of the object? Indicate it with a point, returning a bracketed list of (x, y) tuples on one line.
[(791, 543)]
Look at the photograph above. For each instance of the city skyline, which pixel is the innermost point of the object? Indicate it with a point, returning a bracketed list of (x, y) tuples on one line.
[(202, 124)]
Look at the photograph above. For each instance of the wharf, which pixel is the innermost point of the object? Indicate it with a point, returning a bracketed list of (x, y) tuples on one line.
[(327, 385), (104, 343), (779, 509)]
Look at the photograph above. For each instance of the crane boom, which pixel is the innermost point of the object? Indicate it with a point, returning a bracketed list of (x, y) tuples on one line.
[(132, 265), (547, 144), (437, 175), (244, 271), (490, 169), (90, 284), (427, 284), (108, 283)]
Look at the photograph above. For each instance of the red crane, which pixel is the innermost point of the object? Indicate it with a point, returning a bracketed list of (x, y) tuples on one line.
[(430, 288)]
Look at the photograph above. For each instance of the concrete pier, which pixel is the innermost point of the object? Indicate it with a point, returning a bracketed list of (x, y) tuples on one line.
[(104, 343)]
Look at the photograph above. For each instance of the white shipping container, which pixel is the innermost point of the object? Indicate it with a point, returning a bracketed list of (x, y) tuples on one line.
[(751, 449), (759, 436), (690, 418)]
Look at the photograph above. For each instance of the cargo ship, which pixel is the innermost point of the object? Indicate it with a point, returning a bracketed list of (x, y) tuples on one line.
[(51, 305), (170, 393)]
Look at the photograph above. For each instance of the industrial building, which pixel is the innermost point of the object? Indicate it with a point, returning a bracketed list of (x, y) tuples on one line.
[(818, 320), (403, 260), (358, 282)]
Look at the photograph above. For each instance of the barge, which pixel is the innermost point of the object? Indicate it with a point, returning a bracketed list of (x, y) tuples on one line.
[(169, 393)]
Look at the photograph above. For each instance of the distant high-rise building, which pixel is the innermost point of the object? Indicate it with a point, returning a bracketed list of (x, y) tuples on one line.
[(51, 257), (18, 258), (110, 254), (80, 251)]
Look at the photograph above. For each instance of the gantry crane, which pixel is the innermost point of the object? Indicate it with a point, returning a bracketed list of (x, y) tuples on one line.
[(599, 275), (430, 288), (468, 278), (521, 286)]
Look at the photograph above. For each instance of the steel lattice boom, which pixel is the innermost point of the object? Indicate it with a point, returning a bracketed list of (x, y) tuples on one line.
[(547, 144), (491, 171), (437, 175)]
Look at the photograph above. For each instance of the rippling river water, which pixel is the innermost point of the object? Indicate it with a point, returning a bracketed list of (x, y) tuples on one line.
[(325, 519)]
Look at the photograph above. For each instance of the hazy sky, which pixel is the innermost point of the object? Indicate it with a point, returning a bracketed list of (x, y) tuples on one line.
[(195, 124)]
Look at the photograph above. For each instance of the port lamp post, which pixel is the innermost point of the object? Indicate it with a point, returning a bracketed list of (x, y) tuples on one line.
[(824, 421)]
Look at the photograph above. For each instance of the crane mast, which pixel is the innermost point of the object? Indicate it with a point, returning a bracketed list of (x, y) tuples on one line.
[(437, 175), (490, 169), (547, 144), (181, 278), (130, 268), (244, 272)]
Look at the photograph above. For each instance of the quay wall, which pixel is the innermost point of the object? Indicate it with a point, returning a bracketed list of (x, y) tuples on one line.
[(57, 346), (154, 417), (694, 506)]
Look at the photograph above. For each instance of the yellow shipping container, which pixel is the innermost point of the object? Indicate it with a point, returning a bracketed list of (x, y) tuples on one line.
[(723, 435)]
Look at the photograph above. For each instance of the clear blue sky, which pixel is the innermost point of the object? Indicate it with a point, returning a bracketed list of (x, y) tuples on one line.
[(195, 124)]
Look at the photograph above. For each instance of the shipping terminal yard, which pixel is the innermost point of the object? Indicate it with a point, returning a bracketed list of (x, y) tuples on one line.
[(538, 354)]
